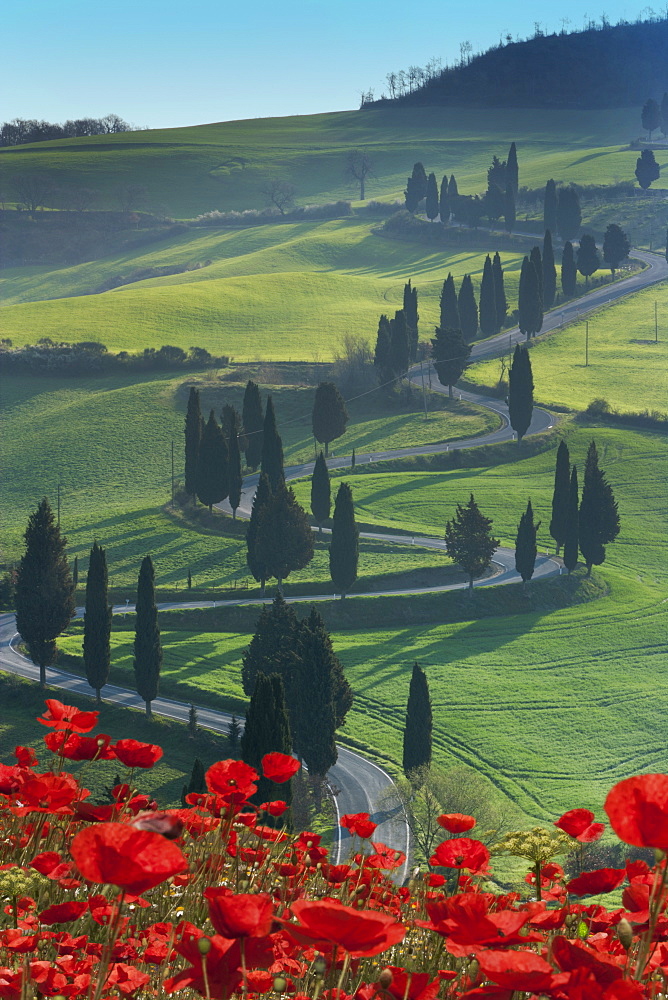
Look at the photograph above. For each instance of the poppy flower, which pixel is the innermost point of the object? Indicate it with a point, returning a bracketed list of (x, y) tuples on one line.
[(359, 932), (461, 852), (60, 716), (279, 767), (240, 915), (384, 857), (232, 779), (638, 810), (132, 753), (25, 757), (411, 985), (591, 883), (571, 955), (73, 746), (63, 913), (48, 793), (168, 824), (10, 778), (275, 808), (517, 970), (134, 860), (456, 822), (579, 824), (335, 874), (126, 978), (359, 824)]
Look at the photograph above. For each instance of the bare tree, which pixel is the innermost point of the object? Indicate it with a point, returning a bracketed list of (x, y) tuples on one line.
[(131, 197), (280, 194), (77, 199), (358, 168), (33, 191), (353, 363)]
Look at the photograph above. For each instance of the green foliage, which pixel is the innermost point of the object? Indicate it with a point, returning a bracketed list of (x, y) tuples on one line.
[(509, 208), (489, 324), (329, 416), (399, 343), (569, 213), (212, 473), (97, 621), (271, 463), (313, 712), (549, 271), (431, 198), (193, 434), (512, 169), (235, 478), (147, 646), (321, 494), (650, 116), (450, 353), (44, 593), (647, 169), (550, 207), (525, 544), (571, 526), (599, 516), (520, 391), (499, 290), (560, 494), (468, 309), (284, 539), (468, 540), (569, 270), (449, 312), (530, 306), (255, 559), (616, 246), (412, 318), (252, 419), (417, 728), (588, 259), (444, 201), (273, 648), (416, 187), (344, 547), (267, 730)]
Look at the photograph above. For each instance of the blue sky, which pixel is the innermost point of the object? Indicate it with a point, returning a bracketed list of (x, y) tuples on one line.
[(158, 63)]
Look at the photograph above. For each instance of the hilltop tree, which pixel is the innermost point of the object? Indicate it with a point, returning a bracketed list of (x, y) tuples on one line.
[(647, 169), (530, 305), (560, 495), (97, 622), (588, 259), (344, 547), (252, 419), (412, 318), (212, 465), (329, 416), (444, 201), (512, 169), (616, 246), (431, 198), (235, 479), (569, 270), (358, 167), (499, 290), (417, 728), (321, 495), (271, 462), (468, 309), (416, 187), (520, 392), (549, 272), (273, 647), (468, 540), (650, 116), (284, 540), (526, 549), (550, 207), (569, 213), (449, 306), (488, 319), (193, 435), (147, 646), (450, 353), (44, 596), (571, 528), (267, 730), (599, 516), (254, 557), (509, 208), (399, 343)]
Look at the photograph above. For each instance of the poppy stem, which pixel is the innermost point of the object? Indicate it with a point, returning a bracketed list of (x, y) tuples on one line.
[(344, 970), (655, 900)]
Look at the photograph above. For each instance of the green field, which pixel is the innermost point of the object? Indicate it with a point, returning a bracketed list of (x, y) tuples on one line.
[(626, 366)]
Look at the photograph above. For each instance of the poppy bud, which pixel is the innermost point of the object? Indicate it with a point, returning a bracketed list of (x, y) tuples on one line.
[(473, 970), (385, 978), (279, 984), (625, 933), (204, 946)]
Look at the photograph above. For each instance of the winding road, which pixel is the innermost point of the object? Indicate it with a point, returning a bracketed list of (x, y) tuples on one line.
[(359, 784)]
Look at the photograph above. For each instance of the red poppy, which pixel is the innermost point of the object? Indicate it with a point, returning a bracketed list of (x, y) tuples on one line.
[(579, 823), (601, 880), (72, 746), (134, 860), (126, 978), (62, 913), (167, 824), (11, 984), (49, 793), (638, 810), (240, 915), (232, 779), (25, 757), (517, 970), (456, 822), (384, 857), (275, 808), (335, 874), (279, 767), (132, 753), (571, 955), (359, 932), (411, 985), (462, 852), (359, 824), (61, 716)]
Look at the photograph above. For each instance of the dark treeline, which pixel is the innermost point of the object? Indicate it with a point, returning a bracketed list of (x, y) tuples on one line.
[(604, 66), (46, 357), (22, 130)]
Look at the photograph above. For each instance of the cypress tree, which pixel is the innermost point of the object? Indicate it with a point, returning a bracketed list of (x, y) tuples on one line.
[(537, 261), (230, 422), (444, 201), (399, 343), (97, 622), (382, 353), (193, 434), (344, 547), (569, 271), (416, 187), (272, 449), (560, 495), (44, 596), (147, 647), (512, 169), (599, 516), (588, 259), (273, 647), (236, 480), (417, 728), (313, 714), (321, 494), (549, 272), (571, 530), (488, 319), (495, 201), (284, 540), (499, 291), (254, 559), (453, 191), (468, 310), (616, 246), (449, 306), (647, 169), (431, 202), (75, 573), (550, 207), (267, 730), (468, 540), (509, 209), (212, 465), (412, 318), (252, 419), (650, 116), (450, 353), (569, 214), (329, 416), (526, 549), (520, 392), (530, 306)]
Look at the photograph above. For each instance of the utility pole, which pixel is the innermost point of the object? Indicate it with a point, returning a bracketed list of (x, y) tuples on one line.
[(587, 343), (172, 472)]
